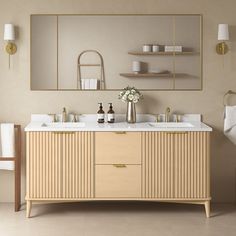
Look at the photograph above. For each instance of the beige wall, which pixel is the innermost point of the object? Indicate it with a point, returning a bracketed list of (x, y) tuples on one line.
[(17, 102)]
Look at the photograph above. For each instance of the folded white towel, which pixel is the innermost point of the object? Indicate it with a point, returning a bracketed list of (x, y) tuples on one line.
[(85, 84), (93, 83), (89, 83), (82, 83), (7, 145)]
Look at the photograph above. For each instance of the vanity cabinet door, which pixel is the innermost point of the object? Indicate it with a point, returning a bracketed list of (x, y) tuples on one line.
[(60, 165), (175, 165), (157, 165), (192, 165), (78, 165), (44, 165)]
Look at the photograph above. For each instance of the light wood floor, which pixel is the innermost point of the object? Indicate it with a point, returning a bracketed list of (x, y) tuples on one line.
[(116, 218)]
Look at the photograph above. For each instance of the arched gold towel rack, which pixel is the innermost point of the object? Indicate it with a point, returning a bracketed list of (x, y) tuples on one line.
[(225, 95), (101, 65)]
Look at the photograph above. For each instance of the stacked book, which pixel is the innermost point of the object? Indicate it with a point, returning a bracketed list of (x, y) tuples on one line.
[(173, 48)]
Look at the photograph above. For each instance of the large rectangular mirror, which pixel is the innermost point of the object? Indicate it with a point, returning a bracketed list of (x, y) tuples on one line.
[(109, 52)]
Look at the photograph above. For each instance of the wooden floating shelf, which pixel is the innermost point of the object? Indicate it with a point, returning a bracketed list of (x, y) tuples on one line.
[(146, 75), (161, 53)]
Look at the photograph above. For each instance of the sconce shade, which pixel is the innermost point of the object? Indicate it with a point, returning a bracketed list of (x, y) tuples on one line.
[(9, 32), (223, 32)]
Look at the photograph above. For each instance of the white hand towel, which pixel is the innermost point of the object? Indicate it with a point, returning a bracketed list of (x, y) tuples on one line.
[(82, 83), (93, 83), (87, 84), (230, 123), (7, 145)]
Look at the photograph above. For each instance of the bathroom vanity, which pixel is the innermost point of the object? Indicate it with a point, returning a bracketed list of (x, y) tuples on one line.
[(146, 161)]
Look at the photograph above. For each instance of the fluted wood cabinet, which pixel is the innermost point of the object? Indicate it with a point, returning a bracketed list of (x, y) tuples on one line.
[(175, 165), (60, 165), (150, 166)]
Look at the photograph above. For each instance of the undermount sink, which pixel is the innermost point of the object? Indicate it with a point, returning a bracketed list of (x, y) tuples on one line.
[(171, 125), (64, 125)]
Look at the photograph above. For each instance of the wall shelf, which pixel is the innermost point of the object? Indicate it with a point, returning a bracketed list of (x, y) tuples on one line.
[(139, 53), (146, 75)]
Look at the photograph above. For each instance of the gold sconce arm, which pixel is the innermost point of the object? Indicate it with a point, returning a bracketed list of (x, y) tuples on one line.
[(222, 48), (11, 48)]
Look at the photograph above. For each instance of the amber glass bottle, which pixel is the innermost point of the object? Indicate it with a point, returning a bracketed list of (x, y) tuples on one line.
[(100, 114), (110, 114)]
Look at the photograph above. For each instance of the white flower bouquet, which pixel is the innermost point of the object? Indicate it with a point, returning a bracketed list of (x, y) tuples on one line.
[(130, 94)]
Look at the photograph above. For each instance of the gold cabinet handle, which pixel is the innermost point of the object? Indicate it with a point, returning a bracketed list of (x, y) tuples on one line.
[(63, 132), (54, 117), (119, 165), (120, 132), (177, 132)]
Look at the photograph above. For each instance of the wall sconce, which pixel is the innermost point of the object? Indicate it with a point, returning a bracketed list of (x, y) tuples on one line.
[(9, 36), (223, 35)]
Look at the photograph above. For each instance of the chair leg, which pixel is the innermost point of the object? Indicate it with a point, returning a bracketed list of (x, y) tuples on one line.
[(18, 171), (17, 186), (28, 208), (207, 208)]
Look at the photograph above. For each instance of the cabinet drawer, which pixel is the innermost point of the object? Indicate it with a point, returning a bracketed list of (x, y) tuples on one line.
[(118, 148), (118, 181)]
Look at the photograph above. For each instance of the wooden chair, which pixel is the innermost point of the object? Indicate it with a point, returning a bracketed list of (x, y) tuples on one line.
[(17, 169)]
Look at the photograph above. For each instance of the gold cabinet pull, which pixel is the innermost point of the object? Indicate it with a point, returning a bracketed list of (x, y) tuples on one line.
[(177, 132), (120, 132), (63, 132), (119, 165)]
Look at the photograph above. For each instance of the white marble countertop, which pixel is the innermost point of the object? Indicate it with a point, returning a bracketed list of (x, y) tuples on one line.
[(145, 122), (121, 126)]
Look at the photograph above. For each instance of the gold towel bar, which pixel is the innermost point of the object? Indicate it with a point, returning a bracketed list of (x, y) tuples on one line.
[(225, 95)]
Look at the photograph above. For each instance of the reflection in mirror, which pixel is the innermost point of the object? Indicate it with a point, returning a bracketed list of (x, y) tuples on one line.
[(97, 52), (93, 76), (43, 52)]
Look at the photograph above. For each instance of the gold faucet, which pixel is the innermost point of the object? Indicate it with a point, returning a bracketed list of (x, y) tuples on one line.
[(167, 115), (64, 115), (74, 119), (158, 118), (54, 118)]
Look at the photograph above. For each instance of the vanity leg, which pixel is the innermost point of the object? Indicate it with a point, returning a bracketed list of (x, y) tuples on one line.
[(207, 208), (28, 208)]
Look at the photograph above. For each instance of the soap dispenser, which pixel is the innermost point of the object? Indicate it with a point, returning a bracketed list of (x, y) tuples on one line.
[(110, 114), (100, 114)]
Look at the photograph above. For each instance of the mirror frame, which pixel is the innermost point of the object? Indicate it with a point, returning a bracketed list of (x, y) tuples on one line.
[(104, 90)]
